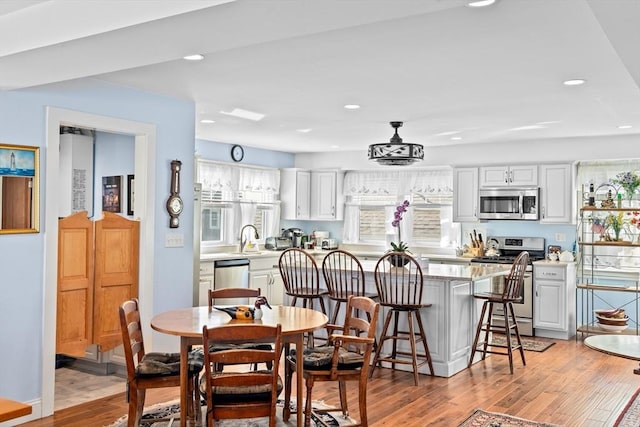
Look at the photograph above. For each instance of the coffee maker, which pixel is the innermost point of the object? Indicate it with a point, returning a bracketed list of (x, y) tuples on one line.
[(295, 235)]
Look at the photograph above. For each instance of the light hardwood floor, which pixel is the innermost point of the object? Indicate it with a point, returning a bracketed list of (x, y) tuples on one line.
[(569, 384), (74, 387)]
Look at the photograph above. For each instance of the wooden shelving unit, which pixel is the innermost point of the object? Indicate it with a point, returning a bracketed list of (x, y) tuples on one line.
[(608, 272)]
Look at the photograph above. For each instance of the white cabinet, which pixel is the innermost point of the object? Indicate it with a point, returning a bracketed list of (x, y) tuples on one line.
[(556, 203), (295, 193), (554, 296), (505, 176), (326, 194), (264, 274), (206, 282), (465, 194), (75, 192)]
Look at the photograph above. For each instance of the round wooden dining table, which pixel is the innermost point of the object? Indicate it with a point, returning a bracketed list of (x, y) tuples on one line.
[(187, 323)]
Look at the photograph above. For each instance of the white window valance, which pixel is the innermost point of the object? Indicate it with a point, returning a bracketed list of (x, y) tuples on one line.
[(601, 172), (398, 184), (225, 182)]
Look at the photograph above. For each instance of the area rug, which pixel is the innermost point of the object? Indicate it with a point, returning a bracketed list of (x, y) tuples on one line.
[(480, 418), (165, 411), (630, 415), (528, 343)]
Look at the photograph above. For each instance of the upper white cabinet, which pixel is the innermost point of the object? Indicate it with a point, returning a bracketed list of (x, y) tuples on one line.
[(504, 176), (326, 194), (465, 194), (556, 203), (312, 194), (295, 193)]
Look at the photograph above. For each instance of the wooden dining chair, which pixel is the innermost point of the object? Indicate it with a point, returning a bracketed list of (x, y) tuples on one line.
[(151, 370), (301, 280), (346, 358), (241, 394), (344, 276), (399, 282), (511, 293), (241, 294)]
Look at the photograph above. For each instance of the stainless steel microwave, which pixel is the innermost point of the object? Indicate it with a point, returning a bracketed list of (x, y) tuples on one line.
[(509, 203)]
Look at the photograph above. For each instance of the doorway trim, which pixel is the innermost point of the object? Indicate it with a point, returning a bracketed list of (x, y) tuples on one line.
[(145, 190)]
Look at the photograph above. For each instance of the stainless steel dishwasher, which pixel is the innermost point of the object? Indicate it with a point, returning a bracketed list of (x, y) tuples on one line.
[(231, 273)]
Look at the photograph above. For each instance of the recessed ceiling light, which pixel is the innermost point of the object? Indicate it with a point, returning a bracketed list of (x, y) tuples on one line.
[(480, 3), (451, 132), (244, 114), (207, 121), (334, 146), (304, 130), (574, 82), (351, 106), (196, 57), (625, 127), (456, 138), (529, 127)]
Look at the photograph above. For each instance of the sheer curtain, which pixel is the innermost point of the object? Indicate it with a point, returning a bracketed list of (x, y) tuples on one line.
[(239, 191), (601, 172), (390, 188)]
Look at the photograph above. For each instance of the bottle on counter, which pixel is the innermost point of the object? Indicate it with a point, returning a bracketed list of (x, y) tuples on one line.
[(592, 195)]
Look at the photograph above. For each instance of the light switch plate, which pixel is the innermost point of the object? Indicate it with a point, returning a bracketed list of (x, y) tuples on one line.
[(174, 240)]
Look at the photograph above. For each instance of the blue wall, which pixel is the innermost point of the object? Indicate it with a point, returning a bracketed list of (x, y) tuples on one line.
[(23, 122)]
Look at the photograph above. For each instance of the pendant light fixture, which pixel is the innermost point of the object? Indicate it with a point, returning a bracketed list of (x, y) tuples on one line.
[(395, 152)]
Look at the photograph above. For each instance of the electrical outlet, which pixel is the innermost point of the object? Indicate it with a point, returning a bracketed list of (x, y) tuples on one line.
[(561, 237), (174, 240)]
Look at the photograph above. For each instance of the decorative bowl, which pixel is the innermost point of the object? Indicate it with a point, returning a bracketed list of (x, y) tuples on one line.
[(612, 328), (614, 313), (612, 321)]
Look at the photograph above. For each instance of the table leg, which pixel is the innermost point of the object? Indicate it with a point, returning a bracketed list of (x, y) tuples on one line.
[(185, 397), (299, 379)]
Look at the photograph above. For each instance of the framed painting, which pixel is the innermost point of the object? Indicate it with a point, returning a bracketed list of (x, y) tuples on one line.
[(111, 192), (19, 186)]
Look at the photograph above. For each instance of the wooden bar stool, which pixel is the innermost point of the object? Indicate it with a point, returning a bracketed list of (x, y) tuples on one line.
[(344, 276), (399, 282), (301, 280), (511, 293)]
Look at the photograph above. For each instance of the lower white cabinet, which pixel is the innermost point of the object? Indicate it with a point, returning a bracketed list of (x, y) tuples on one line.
[(264, 274), (206, 282), (554, 288)]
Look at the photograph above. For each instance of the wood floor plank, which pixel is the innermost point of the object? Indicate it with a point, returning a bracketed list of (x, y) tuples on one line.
[(569, 384)]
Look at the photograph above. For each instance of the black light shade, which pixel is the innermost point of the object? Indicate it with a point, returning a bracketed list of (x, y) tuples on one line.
[(395, 152)]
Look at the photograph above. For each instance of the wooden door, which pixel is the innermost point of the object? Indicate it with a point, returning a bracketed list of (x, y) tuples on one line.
[(74, 321), (16, 202), (116, 275)]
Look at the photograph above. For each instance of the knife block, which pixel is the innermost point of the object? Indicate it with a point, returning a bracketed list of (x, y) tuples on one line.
[(476, 252)]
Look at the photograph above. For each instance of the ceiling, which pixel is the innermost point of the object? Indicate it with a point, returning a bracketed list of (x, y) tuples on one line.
[(447, 70)]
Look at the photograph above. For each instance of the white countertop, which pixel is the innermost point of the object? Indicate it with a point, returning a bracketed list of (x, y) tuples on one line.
[(453, 271)]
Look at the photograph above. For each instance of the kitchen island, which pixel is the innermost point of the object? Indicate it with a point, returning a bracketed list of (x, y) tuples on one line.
[(451, 320)]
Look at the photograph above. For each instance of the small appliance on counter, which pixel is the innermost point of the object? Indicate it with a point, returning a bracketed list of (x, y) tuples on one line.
[(277, 243), (320, 236), (294, 235), (329, 244)]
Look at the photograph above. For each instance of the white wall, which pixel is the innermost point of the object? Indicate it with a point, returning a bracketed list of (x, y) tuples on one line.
[(532, 151)]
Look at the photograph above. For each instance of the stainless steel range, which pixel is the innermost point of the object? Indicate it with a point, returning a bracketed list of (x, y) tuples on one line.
[(505, 250)]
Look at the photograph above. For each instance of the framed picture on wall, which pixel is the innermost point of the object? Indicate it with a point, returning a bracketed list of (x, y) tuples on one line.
[(111, 192), (130, 193)]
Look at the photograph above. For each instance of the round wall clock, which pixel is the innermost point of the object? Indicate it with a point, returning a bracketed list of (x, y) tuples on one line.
[(237, 153)]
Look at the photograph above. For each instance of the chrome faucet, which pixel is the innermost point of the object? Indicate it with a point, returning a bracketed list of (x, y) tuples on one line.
[(243, 242)]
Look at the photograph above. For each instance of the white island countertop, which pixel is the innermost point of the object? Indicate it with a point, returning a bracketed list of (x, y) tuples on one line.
[(453, 271)]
